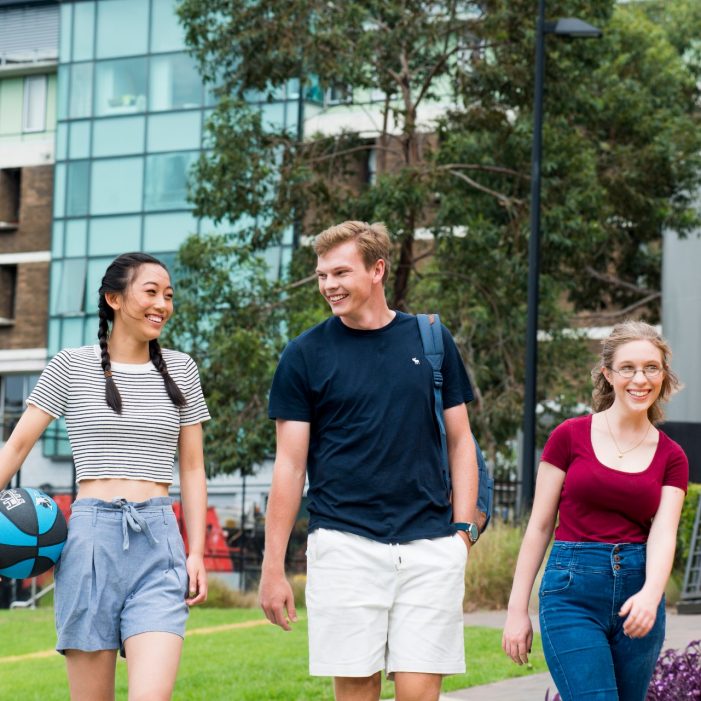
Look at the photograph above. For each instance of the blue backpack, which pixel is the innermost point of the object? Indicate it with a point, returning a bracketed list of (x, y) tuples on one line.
[(432, 341)]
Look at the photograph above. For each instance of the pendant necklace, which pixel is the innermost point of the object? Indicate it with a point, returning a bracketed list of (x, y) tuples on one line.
[(620, 452)]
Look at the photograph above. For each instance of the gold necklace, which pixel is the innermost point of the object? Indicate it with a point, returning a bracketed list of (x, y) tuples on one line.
[(621, 453)]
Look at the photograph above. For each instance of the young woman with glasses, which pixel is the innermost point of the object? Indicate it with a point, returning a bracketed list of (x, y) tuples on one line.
[(617, 484)]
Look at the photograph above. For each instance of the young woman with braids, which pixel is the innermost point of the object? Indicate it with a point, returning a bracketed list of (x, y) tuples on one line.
[(618, 485), (123, 582)]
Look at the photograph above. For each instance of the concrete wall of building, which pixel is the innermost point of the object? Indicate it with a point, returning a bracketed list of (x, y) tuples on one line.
[(681, 321)]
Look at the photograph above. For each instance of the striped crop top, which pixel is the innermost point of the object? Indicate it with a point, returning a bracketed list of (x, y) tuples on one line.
[(140, 442)]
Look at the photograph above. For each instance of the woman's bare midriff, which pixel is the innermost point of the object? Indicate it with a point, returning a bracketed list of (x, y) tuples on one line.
[(131, 490)]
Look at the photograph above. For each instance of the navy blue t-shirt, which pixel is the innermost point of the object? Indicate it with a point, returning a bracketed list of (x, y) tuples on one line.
[(374, 462)]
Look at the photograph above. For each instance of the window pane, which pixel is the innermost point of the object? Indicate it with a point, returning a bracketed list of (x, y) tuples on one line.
[(65, 35), (54, 336), (274, 115), (83, 31), (61, 141), (34, 115), (59, 189), (174, 132), (62, 98), (272, 258), (57, 240), (120, 87), (116, 185), (166, 181), (14, 395), (70, 293), (118, 136), (78, 179), (166, 32), (175, 83), (96, 271), (166, 232), (55, 440), (122, 28), (80, 104), (72, 333), (114, 235), (76, 230), (79, 143)]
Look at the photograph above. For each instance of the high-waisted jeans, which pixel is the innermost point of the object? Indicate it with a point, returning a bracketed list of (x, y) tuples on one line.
[(589, 656)]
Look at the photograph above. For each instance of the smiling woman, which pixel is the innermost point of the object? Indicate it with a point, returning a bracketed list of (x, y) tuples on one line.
[(123, 581), (617, 484)]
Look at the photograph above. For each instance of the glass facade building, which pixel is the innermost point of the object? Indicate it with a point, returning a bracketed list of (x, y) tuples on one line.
[(131, 117)]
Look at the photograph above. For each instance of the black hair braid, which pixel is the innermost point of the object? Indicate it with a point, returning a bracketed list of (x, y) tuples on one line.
[(112, 396), (176, 396)]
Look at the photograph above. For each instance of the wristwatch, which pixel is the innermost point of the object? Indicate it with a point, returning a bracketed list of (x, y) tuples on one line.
[(473, 533)]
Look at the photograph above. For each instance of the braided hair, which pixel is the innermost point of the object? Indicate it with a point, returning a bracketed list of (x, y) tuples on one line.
[(116, 279)]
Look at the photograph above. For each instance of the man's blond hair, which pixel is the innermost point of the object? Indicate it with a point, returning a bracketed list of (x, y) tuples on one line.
[(372, 241)]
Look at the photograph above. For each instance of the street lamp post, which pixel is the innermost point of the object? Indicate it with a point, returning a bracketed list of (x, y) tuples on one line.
[(568, 27)]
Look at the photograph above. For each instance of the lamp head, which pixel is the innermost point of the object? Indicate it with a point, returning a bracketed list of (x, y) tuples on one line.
[(572, 27)]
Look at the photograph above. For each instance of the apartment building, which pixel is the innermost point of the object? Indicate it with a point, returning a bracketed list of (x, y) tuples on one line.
[(28, 62)]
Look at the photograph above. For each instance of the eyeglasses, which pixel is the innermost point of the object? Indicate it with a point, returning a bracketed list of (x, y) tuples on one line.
[(629, 372)]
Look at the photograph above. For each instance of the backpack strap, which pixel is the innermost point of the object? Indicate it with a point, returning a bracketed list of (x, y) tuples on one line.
[(432, 341)]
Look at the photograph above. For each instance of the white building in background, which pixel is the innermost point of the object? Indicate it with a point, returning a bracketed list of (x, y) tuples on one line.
[(681, 325)]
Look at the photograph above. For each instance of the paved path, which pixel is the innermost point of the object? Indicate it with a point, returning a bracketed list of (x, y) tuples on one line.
[(681, 630)]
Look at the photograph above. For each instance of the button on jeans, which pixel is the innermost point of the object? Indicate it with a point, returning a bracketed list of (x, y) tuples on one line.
[(589, 656)]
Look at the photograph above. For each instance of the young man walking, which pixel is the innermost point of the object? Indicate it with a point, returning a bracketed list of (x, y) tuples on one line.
[(353, 403)]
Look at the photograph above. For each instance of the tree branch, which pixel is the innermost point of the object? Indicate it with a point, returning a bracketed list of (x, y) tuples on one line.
[(485, 168), (617, 282), (504, 199), (431, 74), (621, 312)]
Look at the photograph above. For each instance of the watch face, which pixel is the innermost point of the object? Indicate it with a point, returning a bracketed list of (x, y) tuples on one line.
[(473, 532)]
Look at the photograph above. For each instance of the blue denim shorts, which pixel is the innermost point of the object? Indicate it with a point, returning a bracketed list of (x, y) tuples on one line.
[(121, 573), (589, 656)]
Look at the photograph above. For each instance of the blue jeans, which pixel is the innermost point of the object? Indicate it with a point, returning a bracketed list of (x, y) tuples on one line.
[(589, 657)]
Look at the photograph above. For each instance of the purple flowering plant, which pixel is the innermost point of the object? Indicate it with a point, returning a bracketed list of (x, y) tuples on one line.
[(677, 676)]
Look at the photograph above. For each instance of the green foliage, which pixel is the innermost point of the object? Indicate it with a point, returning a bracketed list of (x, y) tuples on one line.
[(491, 566), (221, 596), (229, 319), (686, 526), (620, 165)]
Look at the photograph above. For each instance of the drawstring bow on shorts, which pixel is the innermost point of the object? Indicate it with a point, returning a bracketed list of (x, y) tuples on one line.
[(132, 519)]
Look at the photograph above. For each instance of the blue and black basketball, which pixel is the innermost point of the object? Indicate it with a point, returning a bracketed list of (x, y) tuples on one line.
[(32, 533)]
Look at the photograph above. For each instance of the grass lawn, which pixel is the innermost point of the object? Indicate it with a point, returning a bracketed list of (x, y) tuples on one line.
[(256, 663)]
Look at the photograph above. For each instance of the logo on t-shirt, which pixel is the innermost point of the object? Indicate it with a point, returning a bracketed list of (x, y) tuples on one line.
[(416, 361)]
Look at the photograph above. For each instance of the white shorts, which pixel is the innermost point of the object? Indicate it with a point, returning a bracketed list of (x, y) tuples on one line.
[(374, 606)]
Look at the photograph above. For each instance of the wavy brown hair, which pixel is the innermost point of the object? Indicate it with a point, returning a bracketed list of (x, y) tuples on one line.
[(625, 332)]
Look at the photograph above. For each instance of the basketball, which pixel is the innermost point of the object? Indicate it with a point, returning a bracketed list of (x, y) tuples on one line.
[(32, 533)]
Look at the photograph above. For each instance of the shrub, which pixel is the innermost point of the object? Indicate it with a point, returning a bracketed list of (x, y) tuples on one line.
[(686, 526), (298, 582), (221, 595), (677, 675), (490, 568)]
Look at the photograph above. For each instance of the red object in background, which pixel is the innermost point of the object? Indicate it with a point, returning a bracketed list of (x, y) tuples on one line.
[(217, 554)]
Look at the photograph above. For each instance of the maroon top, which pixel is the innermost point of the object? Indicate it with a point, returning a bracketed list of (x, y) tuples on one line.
[(602, 504)]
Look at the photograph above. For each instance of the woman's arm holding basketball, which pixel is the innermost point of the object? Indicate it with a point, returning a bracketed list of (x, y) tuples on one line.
[(193, 488), (26, 433)]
